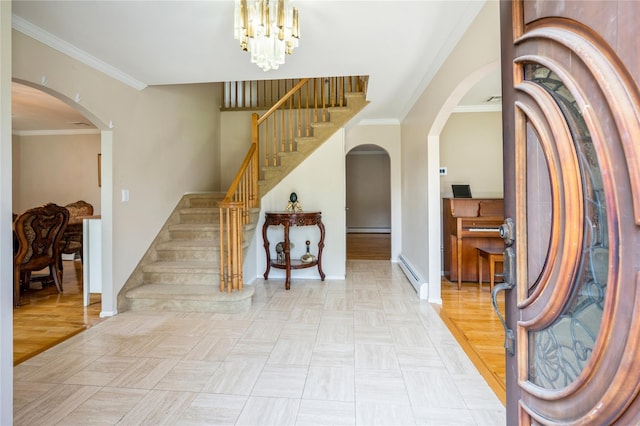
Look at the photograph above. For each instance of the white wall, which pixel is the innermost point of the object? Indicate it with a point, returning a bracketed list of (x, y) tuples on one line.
[(317, 190), (152, 142), (471, 149), (476, 55), (57, 169), (386, 136)]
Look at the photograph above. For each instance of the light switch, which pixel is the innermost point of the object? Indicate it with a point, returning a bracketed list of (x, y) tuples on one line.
[(125, 195)]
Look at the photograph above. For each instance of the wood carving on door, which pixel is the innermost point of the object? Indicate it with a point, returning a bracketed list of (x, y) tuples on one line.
[(576, 123)]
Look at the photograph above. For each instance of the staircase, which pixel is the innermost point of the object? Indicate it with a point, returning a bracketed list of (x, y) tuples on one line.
[(181, 270)]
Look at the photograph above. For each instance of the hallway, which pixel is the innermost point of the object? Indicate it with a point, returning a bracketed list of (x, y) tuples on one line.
[(362, 350)]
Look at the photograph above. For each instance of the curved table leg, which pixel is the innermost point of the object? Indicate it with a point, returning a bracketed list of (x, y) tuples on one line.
[(320, 247), (266, 249), (287, 256)]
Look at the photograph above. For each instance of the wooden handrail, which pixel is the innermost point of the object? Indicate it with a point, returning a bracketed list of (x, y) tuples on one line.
[(237, 180)]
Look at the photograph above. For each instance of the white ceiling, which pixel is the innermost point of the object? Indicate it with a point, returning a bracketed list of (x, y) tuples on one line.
[(398, 44)]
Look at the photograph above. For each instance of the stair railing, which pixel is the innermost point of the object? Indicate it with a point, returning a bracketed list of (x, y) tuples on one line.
[(292, 116)]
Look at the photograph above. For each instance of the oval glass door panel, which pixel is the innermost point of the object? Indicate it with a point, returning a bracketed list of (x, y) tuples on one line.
[(558, 353)]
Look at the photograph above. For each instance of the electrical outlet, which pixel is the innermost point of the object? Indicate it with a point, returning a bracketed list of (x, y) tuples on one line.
[(443, 171)]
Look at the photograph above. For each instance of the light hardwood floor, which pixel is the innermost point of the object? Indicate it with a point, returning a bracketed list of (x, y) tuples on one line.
[(48, 318), (469, 315), (362, 246)]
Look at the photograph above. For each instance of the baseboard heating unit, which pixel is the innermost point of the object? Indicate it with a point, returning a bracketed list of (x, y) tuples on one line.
[(413, 276)]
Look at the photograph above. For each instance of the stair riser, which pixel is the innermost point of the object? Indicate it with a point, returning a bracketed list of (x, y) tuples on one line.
[(193, 235), (177, 278), (291, 159), (204, 202), (200, 218), (273, 173), (188, 255), (173, 305)]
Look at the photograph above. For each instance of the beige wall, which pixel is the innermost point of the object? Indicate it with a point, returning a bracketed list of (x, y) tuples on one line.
[(235, 131), (158, 143), (471, 149), (59, 169), (15, 162)]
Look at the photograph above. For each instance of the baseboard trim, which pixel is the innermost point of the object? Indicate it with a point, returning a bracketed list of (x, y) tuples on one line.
[(414, 277), (369, 230)]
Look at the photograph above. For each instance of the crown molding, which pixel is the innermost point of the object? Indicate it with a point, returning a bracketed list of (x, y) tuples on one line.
[(64, 132), (478, 108), (60, 45)]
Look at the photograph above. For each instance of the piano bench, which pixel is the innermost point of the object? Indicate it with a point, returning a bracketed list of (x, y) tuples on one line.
[(492, 256)]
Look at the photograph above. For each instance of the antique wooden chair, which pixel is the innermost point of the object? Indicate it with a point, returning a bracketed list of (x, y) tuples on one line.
[(39, 232)]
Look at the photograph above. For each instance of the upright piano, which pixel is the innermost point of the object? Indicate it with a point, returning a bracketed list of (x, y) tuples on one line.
[(469, 223)]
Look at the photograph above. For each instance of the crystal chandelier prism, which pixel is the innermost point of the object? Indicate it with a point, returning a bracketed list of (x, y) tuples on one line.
[(268, 30)]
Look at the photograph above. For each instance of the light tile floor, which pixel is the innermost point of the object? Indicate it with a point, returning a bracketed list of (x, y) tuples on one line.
[(363, 351)]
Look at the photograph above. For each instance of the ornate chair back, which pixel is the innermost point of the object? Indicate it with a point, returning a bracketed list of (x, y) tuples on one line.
[(79, 209), (39, 232), (72, 238)]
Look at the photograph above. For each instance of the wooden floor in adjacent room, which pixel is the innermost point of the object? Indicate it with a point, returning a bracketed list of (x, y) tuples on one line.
[(469, 315), (368, 246), (47, 317)]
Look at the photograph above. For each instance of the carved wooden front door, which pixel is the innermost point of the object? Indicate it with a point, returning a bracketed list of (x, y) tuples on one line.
[(571, 110)]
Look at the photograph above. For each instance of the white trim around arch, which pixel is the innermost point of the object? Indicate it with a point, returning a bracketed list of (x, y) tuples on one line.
[(433, 175)]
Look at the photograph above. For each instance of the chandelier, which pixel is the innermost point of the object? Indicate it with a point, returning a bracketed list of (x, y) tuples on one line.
[(268, 30)]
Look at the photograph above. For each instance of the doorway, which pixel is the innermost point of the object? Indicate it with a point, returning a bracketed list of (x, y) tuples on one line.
[(49, 134), (368, 203)]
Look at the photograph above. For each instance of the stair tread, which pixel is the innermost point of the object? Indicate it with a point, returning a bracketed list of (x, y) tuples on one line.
[(214, 195), (195, 266), (197, 226), (209, 244), (199, 210)]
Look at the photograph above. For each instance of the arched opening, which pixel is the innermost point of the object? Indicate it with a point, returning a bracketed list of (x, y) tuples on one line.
[(368, 203), (56, 158), (462, 308)]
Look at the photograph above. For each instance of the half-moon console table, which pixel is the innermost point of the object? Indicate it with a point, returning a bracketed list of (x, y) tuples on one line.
[(288, 220)]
